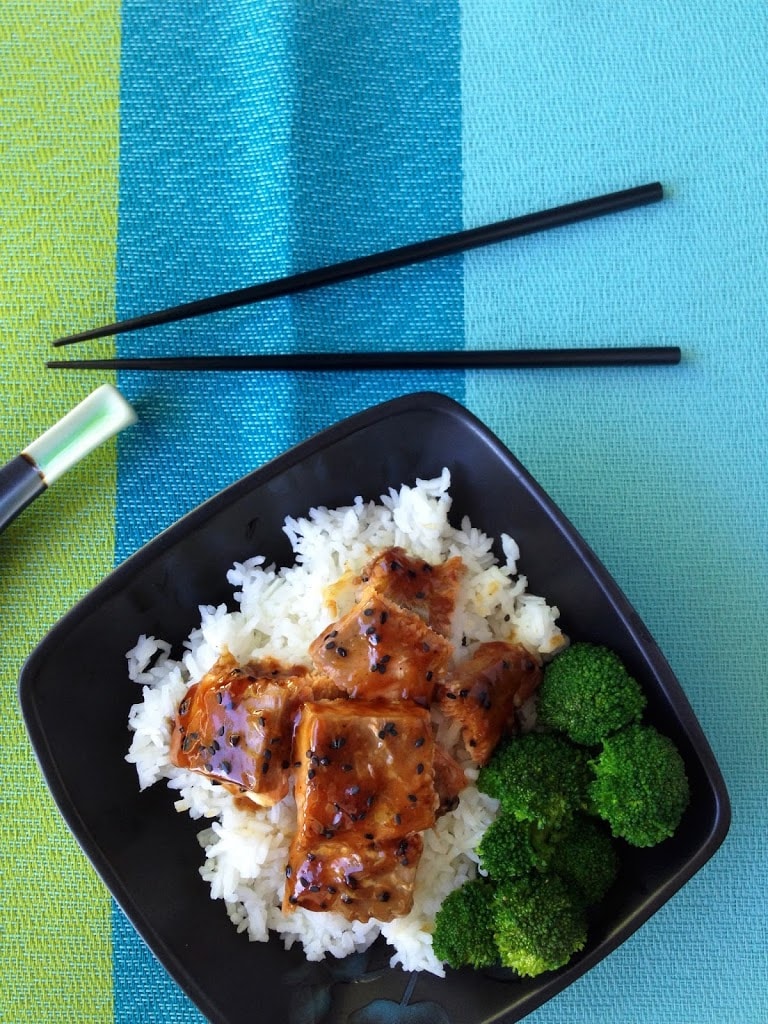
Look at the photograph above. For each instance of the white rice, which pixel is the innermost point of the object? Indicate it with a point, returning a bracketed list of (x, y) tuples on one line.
[(279, 612)]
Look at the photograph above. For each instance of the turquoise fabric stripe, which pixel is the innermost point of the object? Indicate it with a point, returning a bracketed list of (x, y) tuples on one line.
[(258, 139)]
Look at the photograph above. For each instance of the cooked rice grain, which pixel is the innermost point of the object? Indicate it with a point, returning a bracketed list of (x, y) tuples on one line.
[(278, 611)]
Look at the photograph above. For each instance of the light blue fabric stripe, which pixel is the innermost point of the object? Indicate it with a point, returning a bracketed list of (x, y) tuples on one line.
[(259, 139), (647, 462)]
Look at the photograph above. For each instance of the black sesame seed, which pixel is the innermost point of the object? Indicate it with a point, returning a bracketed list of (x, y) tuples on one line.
[(346, 767), (345, 898), (397, 819), (412, 797), (288, 870), (419, 742), (449, 695), (338, 742), (383, 617), (311, 857), (330, 645), (351, 881), (353, 790), (293, 899), (420, 595), (369, 835), (184, 706), (381, 667), (370, 631), (341, 651), (285, 765), (267, 754), (314, 888), (226, 767), (419, 768), (429, 676), (222, 730), (425, 646), (311, 773), (265, 768), (304, 880), (262, 721), (332, 890), (370, 800), (473, 743), (368, 611), (219, 696), (383, 896), (463, 693)]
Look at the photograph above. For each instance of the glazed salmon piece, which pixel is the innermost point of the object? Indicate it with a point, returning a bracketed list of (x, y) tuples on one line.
[(428, 590), (381, 651), (359, 880), (236, 725), (449, 781), (364, 770), (485, 691), (364, 786)]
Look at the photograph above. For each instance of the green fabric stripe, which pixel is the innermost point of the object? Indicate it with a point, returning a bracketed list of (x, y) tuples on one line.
[(59, 98)]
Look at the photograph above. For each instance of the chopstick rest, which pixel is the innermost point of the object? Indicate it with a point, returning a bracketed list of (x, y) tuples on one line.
[(100, 416)]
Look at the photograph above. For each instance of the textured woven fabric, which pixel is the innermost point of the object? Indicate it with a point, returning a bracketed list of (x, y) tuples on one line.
[(59, 68), (153, 152)]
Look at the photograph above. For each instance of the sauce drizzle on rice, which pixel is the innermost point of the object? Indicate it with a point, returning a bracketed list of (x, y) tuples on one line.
[(331, 726)]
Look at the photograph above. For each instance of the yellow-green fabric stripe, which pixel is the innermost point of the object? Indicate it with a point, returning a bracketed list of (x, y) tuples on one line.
[(59, 124)]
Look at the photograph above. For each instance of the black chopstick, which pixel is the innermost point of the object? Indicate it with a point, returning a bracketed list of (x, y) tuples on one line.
[(438, 360), (405, 255)]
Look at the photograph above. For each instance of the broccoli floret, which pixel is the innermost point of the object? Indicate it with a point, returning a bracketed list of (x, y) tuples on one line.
[(586, 857), (640, 786), (538, 924), (587, 693), (463, 934), (510, 848), (538, 777)]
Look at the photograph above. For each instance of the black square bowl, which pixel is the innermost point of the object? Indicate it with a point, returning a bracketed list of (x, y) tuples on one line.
[(75, 696)]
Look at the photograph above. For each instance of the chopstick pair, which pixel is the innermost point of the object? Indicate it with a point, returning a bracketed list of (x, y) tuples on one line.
[(390, 259)]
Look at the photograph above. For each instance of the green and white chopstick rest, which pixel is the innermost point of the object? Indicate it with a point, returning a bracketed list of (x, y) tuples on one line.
[(100, 416)]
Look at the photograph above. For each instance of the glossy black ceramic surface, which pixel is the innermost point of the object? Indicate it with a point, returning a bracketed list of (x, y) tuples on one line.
[(75, 696)]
